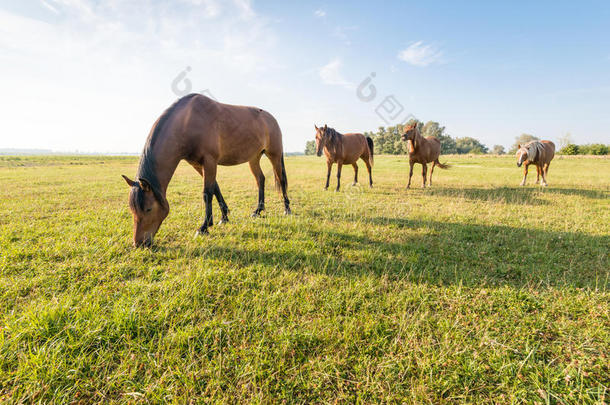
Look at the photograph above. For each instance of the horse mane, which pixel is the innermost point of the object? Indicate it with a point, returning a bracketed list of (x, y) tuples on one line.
[(534, 149), (334, 138), (147, 167)]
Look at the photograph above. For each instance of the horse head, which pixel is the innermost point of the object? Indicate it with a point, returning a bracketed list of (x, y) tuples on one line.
[(148, 209), (410, 136), (528, 152), (322, 137)]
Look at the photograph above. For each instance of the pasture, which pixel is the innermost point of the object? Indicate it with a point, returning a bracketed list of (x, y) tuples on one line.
[(476, 290)]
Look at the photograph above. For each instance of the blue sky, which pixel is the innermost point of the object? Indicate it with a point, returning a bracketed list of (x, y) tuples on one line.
[(94, 75)]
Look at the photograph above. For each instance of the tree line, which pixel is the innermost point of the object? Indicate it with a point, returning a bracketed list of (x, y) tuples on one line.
[(388, 141)]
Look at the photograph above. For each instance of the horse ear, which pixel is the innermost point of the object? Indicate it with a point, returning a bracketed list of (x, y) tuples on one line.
[(325, 126), (316, 127), (130, 182), (144, 184), (519, 146)]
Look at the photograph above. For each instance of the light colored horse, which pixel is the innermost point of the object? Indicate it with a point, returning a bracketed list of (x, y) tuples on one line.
[(539, 153)]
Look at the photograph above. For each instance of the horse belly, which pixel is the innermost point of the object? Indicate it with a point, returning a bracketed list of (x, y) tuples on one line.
[(238, 154)]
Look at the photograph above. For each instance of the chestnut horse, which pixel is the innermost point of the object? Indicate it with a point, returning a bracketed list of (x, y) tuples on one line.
[(205, 133), (423, 151), (344, 149), (539, 153)]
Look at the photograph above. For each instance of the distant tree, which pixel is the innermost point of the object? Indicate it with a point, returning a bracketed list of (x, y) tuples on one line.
[(448, 145), (570, 149), (470, 145), (598, 149), (498, 150), (565, 140), (433, 128), (522, 140), (593, 149), (310, 148)]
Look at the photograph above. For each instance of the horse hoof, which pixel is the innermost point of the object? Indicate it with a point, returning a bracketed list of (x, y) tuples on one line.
[(287, 211), (223, 221), (255, 214), (201, 233), (354, 184)]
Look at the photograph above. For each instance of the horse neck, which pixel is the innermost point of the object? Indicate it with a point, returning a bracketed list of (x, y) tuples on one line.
[(167, 158), (161, 159), (336, 147), (536, 153)]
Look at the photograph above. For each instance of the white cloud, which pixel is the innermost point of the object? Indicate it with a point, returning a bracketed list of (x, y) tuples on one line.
[(49, 6), (331, 74), (118, 59), (320, 13), (420, 54)]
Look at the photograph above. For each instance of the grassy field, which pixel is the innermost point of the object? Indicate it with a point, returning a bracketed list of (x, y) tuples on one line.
[(476, 290)]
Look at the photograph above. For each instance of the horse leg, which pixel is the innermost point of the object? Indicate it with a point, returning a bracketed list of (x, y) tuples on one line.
[(424, 171), (329, 166), (538, 170), (224, 209), (524, 174), (339, 165), (277, 161), (355, 174), (255, 168), (545, 171), (410, 174), (431, 171), (368, 168), (209, 186)]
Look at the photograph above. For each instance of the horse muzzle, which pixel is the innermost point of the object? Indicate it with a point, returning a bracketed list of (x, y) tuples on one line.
[(145, 243)]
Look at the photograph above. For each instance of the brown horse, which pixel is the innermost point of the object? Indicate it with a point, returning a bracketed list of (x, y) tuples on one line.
[(205, 133), (423, 151), (539, 153), (344, 149)]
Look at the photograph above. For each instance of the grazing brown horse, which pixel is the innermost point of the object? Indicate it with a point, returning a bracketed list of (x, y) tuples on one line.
[(205, 133), (344, 149), (539, 153), (423, 151)]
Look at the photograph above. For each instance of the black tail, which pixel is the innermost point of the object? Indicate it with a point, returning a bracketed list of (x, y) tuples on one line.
[(369, 141), (282, 182)]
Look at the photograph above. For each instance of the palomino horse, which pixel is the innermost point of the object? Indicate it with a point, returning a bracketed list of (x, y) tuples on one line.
[(205, 133), (344, 149), (539, 153), (422, 150)]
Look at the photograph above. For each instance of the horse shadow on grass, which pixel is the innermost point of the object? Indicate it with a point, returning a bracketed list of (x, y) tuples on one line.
[(515, 195), (432, 252)]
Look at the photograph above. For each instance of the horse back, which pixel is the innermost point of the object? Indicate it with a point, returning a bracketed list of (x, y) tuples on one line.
[(354, 146), (549, 151), (231, 134)]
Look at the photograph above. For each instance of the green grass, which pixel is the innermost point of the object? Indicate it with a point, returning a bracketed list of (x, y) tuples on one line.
[(476, 290)]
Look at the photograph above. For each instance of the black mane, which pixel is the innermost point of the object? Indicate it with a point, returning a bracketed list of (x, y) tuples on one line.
[(147, 167)]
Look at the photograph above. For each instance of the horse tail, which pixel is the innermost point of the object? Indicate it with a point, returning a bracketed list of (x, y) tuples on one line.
[(369, 142), (441, 165), (283, 181)]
